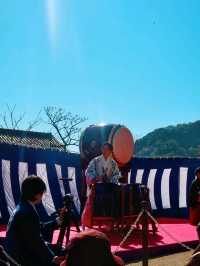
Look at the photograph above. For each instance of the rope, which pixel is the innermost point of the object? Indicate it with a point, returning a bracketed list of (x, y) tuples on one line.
[(160, 226), (169, 234)]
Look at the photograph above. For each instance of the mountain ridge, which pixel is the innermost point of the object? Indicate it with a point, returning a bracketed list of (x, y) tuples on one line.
[(181, 140)]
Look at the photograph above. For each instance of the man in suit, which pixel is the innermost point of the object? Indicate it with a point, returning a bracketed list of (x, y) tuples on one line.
[(194, 201), (24, 241), (194, 195)]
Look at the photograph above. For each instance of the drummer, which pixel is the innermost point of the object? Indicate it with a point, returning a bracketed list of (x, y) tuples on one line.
[(103, 169)]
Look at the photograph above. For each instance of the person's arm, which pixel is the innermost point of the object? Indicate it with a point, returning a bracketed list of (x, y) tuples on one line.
[(90, 173), (51, 225), (115, 173), (29, 231)]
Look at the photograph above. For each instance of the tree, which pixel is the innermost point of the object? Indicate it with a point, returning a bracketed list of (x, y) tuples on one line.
[(179, 140), (66, 125), (11, 120)]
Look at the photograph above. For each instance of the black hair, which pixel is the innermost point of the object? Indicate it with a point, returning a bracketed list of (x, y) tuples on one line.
[(90, 248), (197, 170), (109, 145), (32, 186)]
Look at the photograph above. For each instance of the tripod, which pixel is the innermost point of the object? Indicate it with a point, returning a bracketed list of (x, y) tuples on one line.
[(68, 218), (143, 217)]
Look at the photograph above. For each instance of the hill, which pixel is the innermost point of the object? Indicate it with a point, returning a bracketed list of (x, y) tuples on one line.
[(179, 140)]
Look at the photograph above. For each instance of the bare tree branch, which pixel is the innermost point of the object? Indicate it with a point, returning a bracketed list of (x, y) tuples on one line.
[(5, 121), (17, 122), (35, 122), (65, 124), (10, 112), (9, 119)]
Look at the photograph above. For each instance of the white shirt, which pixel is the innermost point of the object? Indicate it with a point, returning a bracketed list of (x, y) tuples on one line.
[(99, 167)]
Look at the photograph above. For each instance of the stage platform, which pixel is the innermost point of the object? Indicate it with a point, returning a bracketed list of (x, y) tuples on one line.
[(158, 245)]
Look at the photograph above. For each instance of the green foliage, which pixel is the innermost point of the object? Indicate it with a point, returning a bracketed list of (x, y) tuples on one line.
[(180, 140)]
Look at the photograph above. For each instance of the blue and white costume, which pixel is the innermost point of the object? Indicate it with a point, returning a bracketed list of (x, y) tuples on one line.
[(100, 167)]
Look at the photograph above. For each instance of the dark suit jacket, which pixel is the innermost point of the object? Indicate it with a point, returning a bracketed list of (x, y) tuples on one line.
[(194, 193), (24, 241)]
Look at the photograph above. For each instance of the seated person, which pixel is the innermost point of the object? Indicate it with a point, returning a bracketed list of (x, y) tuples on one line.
[(90, 248), (24, 241), (102, 169)]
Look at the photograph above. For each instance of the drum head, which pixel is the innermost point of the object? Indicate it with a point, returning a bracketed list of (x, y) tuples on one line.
[(123, 145)]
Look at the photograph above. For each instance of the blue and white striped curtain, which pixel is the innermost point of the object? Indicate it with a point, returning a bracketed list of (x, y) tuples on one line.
[(168, 180), (17, 163)]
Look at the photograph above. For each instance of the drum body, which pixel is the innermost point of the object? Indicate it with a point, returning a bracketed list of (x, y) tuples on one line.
[(116, 201), (131, 199), (106, 200), (120, 137)]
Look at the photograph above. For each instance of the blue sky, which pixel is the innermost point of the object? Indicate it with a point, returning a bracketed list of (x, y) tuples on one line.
[(130, 62)]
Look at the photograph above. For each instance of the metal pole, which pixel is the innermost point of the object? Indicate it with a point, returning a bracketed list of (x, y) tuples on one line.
[(145, 237)]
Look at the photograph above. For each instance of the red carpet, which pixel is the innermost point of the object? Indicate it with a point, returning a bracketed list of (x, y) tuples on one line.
[(2, 231), (158, 245)]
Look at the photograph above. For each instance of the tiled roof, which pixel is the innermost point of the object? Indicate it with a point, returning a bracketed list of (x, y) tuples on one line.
[(30, 139)]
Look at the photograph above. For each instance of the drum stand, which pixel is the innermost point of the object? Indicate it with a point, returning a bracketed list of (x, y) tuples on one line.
[(149, 221), (126, 220)]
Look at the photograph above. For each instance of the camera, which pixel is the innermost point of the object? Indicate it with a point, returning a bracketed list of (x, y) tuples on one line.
[(68, 201)]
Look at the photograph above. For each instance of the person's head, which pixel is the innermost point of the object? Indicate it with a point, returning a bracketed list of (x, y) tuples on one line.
[(33, 188), (197, 172), (107, 149), (89, 248)]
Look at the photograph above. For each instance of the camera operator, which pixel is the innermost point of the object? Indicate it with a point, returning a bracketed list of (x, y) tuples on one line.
[(194, 201), (24, 241)]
